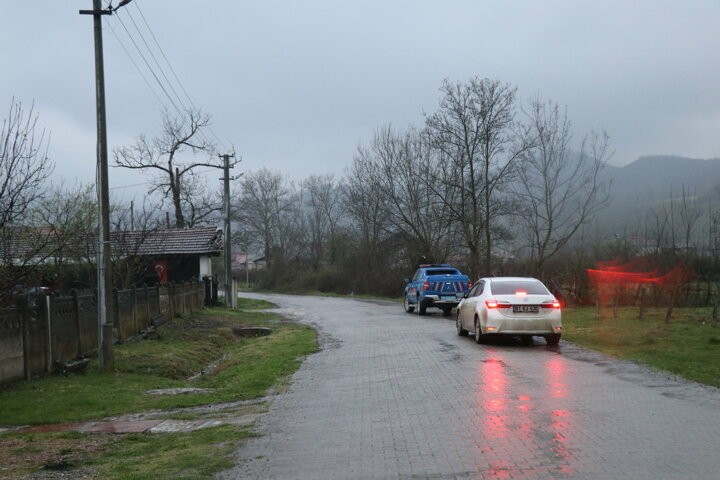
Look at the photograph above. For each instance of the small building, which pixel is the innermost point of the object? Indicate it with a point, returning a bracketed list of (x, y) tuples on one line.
[(171, 254)]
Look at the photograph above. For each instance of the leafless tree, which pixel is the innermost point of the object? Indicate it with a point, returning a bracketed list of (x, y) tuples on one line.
[(560, 190), (689, 213), (24, 164), (165, 155), (24, 170), (367, 211), (472, 132), (401, 166), (132, 231), (266, 211), (69, 214), (325, 209)]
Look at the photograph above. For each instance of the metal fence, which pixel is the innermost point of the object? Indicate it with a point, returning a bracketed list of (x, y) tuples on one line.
[(43, 334)]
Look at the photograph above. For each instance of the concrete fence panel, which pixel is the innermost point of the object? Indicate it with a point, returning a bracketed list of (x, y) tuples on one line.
[(38, 337)]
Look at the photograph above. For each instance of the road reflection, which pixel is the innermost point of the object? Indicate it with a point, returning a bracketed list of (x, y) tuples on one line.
[(525, 430)]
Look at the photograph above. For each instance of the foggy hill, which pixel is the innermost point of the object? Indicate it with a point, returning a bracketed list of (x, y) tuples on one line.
[(653, 180)]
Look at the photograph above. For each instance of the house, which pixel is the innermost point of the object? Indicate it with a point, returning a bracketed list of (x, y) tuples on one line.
[(171, 254)]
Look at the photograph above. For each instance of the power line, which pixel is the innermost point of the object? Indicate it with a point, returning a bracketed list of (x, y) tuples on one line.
[(161, 70), (137, 67)]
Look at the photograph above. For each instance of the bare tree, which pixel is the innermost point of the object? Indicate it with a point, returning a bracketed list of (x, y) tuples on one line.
[(24, 164), (560, 190), (367, 211), (325, 210), (266, 210), (70, 217), (473, 135), (401, 167), (24, 170), (689, 213), (165, 156)]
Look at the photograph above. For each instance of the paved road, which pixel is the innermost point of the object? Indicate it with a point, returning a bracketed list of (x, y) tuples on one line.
[(398, 396)]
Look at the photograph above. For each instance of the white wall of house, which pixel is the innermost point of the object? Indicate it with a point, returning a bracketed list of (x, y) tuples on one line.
[(205, 267)]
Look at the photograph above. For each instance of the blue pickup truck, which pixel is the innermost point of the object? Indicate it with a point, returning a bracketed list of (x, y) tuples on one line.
[(441, 286)]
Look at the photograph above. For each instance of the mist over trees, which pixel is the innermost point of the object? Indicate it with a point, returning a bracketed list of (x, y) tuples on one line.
[(486, 183)]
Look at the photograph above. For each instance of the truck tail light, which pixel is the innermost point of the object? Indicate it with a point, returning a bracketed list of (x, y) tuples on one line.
[(426, 286), (470, 284)]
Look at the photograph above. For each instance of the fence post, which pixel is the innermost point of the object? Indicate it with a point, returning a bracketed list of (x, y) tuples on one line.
[(134, 310), (116, 312), (183, 296), (171, 299), (25, 319), (76, 319), (49, 306), (147, 303)]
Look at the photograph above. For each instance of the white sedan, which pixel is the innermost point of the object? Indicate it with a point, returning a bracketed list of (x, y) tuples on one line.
[(513, 306)]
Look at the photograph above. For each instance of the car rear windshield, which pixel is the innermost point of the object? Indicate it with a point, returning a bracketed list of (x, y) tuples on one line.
[(446, 271), (511, 287)]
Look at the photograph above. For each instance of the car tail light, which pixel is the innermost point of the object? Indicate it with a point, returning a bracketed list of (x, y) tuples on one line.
[(491, 304), (426, 286), (553, 304)]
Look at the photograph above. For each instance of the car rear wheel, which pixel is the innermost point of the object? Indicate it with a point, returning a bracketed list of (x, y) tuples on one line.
[(552, 339), (460, 330), (408, 308), (479, 337)]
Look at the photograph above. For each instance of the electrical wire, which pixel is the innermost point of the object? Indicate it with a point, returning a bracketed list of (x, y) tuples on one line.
[(174, 101)]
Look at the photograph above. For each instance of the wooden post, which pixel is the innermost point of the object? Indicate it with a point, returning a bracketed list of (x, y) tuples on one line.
[(49, 309), (25, 318), (76, 319)]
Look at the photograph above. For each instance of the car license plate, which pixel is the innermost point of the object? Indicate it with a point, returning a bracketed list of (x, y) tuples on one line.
[(526, 308)]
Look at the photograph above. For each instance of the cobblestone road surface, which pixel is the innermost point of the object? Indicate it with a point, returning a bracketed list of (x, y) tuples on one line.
[(399, 396)]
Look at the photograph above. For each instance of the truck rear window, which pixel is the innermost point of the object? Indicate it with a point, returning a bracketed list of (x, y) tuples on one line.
[(445, 271)]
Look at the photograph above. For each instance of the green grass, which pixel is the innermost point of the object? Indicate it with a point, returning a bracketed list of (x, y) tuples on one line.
[(687, 346), (196, 455), (246, 369), (235, 368)]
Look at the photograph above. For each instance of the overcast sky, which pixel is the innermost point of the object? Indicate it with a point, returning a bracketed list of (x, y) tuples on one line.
[(295, 85)]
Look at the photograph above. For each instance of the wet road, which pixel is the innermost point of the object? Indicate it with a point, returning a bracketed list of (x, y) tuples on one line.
[(398, 396)]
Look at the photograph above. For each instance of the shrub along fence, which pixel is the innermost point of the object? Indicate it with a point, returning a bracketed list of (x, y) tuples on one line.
[(44, 334)]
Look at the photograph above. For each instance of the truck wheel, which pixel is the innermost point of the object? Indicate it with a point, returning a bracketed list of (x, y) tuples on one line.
[(446, 311), (421, 308), (408, 308)]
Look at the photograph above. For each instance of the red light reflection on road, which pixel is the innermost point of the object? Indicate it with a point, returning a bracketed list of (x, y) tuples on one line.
[(494, 398), (556, 377), (560, 418), (525, 431)]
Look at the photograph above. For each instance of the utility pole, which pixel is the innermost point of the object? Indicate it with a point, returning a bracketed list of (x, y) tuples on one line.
[(226, 230), (104, 265)]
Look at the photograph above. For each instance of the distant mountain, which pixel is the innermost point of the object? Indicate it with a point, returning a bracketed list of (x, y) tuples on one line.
[(657, 177), (653, 180)]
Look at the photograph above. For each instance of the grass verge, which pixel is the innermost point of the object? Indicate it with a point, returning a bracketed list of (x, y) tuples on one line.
[(200, 351), (687, 346)]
